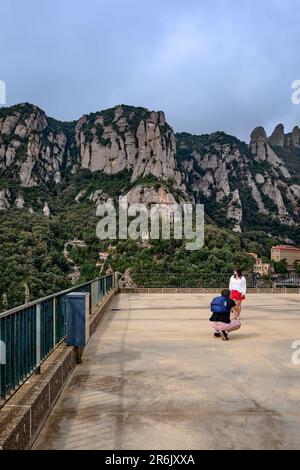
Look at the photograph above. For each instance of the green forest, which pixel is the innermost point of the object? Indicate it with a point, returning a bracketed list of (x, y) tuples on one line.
[(32, 245)]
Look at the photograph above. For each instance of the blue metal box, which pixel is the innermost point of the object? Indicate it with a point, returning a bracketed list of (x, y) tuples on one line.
[(77, 308)]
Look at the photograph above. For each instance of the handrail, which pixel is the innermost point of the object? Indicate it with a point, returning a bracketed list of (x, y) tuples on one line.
[(30, 332), (195, 279), (48, 297)]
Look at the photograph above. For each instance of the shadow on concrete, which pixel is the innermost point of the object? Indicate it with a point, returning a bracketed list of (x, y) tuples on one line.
[(241, 336)]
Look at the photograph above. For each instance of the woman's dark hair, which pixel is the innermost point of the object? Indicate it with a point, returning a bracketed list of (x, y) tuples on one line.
[(239, 272), (225, 293)]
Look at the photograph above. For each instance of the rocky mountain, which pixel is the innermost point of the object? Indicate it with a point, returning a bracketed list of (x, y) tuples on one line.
[(53, 174), (237, 182), (289, 141), (35, 149), (126, 138), (32, 151), (243, 185)]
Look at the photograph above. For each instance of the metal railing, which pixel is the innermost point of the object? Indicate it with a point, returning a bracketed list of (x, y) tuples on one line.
[(29, 333), (218, 280)]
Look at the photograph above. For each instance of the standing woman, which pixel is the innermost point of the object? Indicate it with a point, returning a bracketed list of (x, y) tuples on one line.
[(238, 287)]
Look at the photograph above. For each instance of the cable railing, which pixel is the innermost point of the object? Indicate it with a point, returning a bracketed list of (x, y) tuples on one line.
[(214, 280), (30, 332)]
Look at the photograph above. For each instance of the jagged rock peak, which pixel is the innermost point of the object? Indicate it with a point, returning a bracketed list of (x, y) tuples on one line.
[(128, 138), (259, 134), (277, 138), (21, 107), (22, 119), (296, 136)]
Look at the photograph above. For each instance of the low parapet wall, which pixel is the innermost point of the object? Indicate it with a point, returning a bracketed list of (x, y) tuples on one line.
[(22, 417), (100, 311), (203, 290), (24, 414)]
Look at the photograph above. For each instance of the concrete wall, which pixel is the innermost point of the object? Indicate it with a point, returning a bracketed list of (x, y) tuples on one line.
[(23, 415)]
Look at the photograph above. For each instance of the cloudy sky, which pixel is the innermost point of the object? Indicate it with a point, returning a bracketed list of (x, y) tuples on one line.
[(210, 65)]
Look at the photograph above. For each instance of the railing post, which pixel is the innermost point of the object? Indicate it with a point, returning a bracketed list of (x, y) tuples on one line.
[(2, 361), (54, 321), (99, 289), (116, 280), (38, 339)]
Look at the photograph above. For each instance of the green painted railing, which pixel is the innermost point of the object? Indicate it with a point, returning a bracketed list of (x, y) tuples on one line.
[(29, 333)]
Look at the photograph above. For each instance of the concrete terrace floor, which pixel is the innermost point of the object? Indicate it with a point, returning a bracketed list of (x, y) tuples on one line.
[(153, 377)]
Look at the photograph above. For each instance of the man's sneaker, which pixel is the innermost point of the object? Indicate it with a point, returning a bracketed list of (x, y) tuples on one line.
[(217, 334), (224, 335)]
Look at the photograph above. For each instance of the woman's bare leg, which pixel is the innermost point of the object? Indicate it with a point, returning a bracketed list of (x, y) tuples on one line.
[(238, 308), (234, 313)]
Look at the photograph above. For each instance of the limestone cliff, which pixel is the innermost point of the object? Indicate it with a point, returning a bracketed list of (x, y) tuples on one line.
[(38, 149), (127, 138), (239, 183), (288, 141), (29, 147)]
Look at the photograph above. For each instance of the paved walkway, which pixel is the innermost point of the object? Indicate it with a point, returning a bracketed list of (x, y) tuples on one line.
[(153, 377)]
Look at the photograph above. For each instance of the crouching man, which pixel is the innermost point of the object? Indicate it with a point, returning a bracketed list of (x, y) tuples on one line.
[(220, 319)]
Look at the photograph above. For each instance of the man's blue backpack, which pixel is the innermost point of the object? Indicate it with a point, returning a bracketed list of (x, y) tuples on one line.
[(219, 305)]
